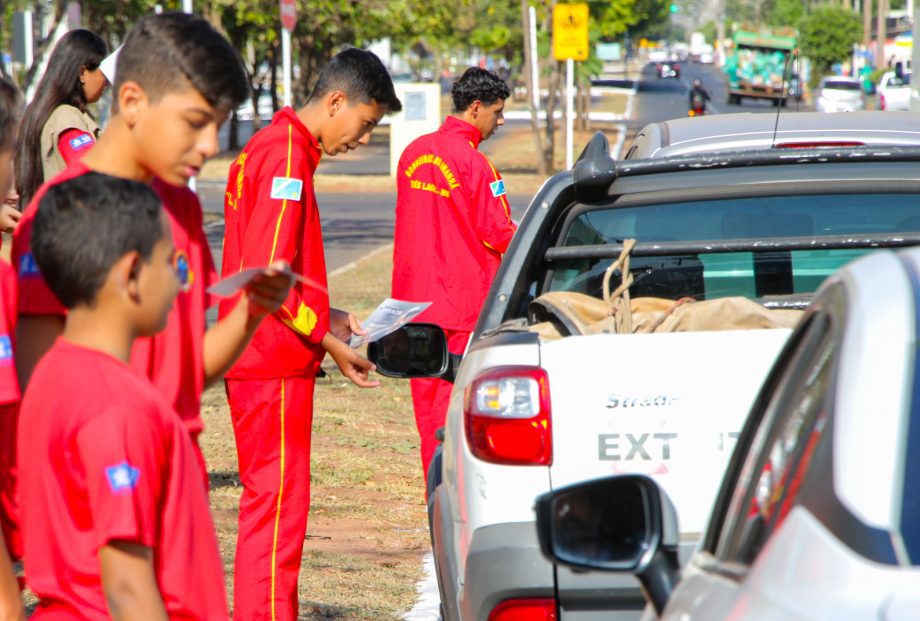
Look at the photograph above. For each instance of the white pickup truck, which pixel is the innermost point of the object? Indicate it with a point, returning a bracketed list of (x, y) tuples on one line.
[(893, 91), (544, 398)]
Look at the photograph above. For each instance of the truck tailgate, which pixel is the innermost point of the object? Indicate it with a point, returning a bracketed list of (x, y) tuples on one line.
[(666, 405)]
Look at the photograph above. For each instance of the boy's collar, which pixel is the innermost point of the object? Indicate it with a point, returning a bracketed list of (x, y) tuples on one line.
[(287, 113), (457, 125)]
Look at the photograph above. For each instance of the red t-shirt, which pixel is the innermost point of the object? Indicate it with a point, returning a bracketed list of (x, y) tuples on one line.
[(453, 223), (174, 358), (104, 458), (270, 213), (9, 411)]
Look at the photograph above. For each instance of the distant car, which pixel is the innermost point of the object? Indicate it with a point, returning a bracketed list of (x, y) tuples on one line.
[(668, 70), (840, 94), (893, 91), (746, 131), (245, 113), (818, 516)]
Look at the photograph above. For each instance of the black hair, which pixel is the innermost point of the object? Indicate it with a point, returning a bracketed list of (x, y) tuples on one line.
[(83, 226), (10, 110), (478, 85), (60, 85), (166, 53), (361, 76)]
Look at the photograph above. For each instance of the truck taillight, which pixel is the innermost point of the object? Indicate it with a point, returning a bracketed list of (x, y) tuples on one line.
[(525, 610), (507, 415)]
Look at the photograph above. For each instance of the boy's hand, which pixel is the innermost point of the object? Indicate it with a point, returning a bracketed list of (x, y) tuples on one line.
[(344, 325), (268, 291), (352, 365)]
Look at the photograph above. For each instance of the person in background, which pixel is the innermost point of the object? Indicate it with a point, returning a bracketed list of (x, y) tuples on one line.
[(271, 213), (10, 538), (453, 224), (57, 127)]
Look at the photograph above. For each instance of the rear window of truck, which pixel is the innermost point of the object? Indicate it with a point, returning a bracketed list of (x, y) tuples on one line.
[(703, 275)]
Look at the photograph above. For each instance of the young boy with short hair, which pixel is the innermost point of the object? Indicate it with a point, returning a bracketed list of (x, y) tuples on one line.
[(115, 520), (176, 81), (10, 539), (271, 213)]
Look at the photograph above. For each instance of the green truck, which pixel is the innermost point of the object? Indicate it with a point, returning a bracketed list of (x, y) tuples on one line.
[(755, 64)]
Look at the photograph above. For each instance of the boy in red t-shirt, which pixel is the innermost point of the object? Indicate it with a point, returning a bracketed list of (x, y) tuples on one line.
[(115, 520), (10, 543), (176, 81)]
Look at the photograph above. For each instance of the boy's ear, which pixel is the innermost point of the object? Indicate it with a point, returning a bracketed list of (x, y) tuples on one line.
[(126, 273), (475, 108), (132, 100), (335, 101)]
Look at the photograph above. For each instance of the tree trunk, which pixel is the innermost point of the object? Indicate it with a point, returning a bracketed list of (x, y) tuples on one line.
[(582, 107), (549, 151), (530, 57), (867, 24), (881, 34), (273, 72)]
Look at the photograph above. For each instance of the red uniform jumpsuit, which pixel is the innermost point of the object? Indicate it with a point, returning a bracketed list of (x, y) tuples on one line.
[(453, 223), (271, 213)]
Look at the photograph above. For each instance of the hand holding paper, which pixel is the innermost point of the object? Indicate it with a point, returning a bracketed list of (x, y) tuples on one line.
[(386, 318)]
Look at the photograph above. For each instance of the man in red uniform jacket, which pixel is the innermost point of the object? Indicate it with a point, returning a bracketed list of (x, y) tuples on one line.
[(271, 213), (453, 223)]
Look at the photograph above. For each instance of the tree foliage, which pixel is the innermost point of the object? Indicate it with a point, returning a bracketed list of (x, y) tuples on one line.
[(827, 36)]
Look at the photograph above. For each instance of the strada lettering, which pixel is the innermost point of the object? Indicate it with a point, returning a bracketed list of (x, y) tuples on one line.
[(434, 160), (616, 401)]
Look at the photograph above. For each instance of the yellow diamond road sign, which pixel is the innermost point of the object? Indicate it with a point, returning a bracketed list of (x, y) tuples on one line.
[(570, 31)]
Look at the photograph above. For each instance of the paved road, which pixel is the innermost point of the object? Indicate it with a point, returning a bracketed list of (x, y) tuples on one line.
[(353, 223)]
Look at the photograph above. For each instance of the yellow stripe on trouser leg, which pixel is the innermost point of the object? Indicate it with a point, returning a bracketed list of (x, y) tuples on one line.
[(278, 510)]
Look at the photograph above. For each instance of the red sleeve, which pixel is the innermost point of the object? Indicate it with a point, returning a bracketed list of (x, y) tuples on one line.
[(74, 143), (35, 298), (490, 212), (284, 213), (9, 384), (125, 464)]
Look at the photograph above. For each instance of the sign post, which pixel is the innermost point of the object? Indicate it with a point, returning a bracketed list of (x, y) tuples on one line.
[(570, 43), (288, 21)]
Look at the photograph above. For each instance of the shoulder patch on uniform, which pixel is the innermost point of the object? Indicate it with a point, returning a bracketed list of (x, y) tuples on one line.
[(122, 476), (6, 350), (286, 188), (81, 142), (498, 188), (28, 268)]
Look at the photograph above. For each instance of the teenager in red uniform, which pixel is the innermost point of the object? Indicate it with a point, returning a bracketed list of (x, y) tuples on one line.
[(115, 521), (271, 213), (10, 539), (453, 223), (176, 81)]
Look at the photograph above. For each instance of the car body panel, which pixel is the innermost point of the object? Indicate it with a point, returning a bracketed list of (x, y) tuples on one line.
[(645, 403), (894, 92), (836, 94), (743, 131)]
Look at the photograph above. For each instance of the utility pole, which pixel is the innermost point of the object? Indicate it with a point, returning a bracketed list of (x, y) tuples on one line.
[(867, 25), (881, 34)]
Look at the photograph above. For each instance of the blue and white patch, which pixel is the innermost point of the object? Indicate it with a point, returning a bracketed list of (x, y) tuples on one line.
[(286, 188), (498, 188), (81, 142), (28, 268), (122, 476), (6, 349)]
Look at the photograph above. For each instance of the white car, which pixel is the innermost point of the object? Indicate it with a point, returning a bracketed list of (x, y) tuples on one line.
[(541, 401), (893, 91), (819, 512), (839, 94)]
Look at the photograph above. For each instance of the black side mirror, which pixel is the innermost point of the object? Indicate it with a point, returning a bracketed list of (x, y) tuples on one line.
[(623, 524), (415, 350)]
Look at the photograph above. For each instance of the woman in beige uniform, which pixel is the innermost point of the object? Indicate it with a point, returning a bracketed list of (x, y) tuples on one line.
[(57, 128)]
